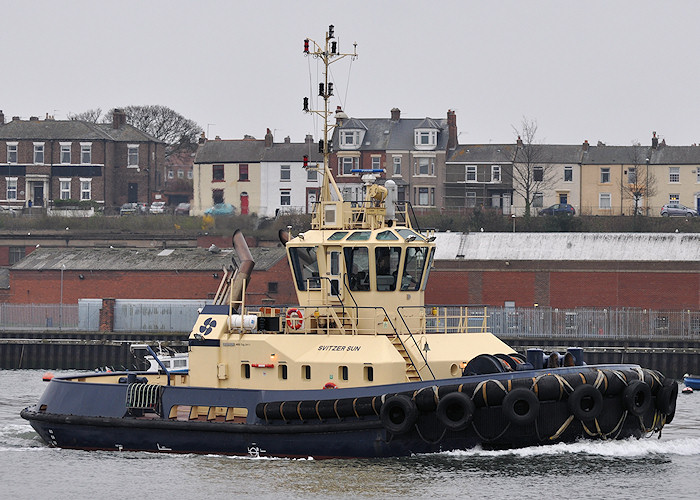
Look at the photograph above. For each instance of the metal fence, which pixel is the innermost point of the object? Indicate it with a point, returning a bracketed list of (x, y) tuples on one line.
[(511, 322)]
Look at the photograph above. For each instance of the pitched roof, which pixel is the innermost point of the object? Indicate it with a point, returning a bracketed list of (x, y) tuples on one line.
[(675, 155), (70, 130), (482, 153), (385, 134), (254, 151), (141, 259)]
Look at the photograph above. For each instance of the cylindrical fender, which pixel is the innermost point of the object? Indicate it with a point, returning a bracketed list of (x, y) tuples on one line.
[(455, 411), (398, 414), (637, 397), (521, 406), (586, 402), (666, 399)]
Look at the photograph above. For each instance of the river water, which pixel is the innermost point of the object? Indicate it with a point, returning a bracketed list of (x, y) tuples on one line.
[(666, 468)]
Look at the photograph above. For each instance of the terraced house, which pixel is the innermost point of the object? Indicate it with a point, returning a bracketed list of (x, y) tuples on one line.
[(106, 163)]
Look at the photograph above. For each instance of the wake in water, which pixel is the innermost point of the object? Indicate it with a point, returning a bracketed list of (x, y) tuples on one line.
[(630, 448)]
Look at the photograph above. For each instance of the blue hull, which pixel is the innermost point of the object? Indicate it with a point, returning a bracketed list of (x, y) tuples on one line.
[(692, 382), (352, 422)]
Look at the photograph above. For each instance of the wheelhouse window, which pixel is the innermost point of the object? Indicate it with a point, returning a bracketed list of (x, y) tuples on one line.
[(387, 267), (65, 189), (357, 264), (305, 267), (413, 268), (217, 173), (85, 153), (65, 152), (11, 152), (133, 155), (39, 152)]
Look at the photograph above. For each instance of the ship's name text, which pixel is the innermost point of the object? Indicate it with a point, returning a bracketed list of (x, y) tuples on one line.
[(339, 348)]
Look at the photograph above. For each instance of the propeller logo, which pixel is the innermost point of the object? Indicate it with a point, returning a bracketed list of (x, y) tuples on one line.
[(208, 325)]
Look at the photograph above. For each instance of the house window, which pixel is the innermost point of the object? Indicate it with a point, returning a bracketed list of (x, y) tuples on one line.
[(285, 198), (604, 201), (376, 162), (495, 173), (604, 175), (346, 164), (424, 166), (537, 174), (568, 174), (471, 199), (243, 172), (85, 189), (16, 254), (538, 200), (285, 173), (11, 188), (65, 152), (11, 152), (311, 174), (426, 196), (563, 198), (133, 155), (471, 173), (171, 174), (349, 138), (397, 165), (426, 137), (39, 152), (65, 189), (217, 196), (217, 173), (85, 152), (272, 287), (674, 174), (180, 174), (632, 175), (189, 174), (674, 198)]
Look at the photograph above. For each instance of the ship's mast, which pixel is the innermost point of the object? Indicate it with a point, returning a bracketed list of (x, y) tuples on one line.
[(328, 53)]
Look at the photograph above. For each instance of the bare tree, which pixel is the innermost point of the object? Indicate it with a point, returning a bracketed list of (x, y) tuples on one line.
[(164, 124), (91, 115), (640, 182), (533, 171)]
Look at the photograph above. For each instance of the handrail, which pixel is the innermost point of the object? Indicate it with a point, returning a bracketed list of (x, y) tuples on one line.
[(410, 334)]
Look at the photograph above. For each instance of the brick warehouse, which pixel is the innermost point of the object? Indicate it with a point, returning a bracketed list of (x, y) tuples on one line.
[(567, 270), (142, 273)]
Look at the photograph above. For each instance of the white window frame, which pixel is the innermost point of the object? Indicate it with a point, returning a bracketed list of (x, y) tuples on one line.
[(428, 163), (85, 153), (347, 161), (171, 174), (65, 150), (85, 188), (631, 175), (39, 150), (131, 155), (12, 148), (538, 200), (425, 196), (470, 199), (11, 183), (285, 195), (180, 174), (397, 166), (425, 138), (376, 162), (604, 201), (311, 175), (349, 138), (605, 175), (674, 198), (285, 173), (190, 174), (470, 175), (495, 173), (674, 175), (570, 171), (64, 188)]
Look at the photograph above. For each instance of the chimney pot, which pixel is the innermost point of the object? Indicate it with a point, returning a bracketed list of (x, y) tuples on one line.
[(395, 114), (33, 118), (2, 117), (15, 118)]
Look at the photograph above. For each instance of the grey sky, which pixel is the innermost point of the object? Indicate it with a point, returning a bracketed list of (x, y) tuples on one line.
[(596, 70)]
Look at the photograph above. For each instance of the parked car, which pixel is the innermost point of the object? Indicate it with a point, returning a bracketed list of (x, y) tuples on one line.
[(221, 209), (182, 209), (142, 208), (128, 209), (157, 207), (676, 209), (559, 209)]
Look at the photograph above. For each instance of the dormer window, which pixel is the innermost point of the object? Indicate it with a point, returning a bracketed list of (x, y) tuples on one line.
[(426, 139), (349, 138)]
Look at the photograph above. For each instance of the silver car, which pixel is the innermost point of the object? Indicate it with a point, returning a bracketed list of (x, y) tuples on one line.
[(678, 210)]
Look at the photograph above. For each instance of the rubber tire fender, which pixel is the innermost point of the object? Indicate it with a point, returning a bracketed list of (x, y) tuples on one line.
[(521, 406), (455, 411), (637, 397), (398, 414), (586, 402), (666, 399)]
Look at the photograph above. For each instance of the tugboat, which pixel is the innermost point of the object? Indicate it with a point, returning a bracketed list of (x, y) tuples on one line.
[(360, 368)]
